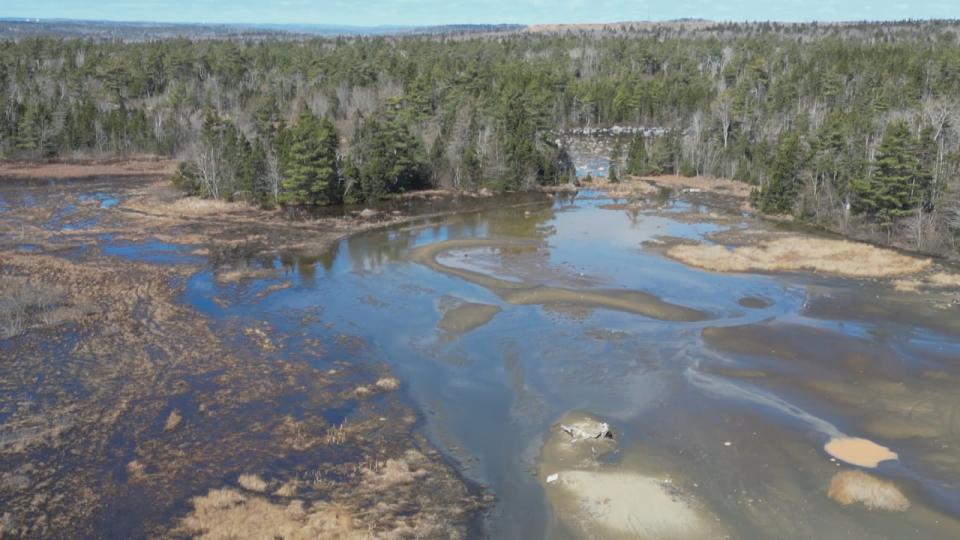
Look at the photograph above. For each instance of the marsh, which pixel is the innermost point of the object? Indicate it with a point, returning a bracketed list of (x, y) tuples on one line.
[(407, 377)]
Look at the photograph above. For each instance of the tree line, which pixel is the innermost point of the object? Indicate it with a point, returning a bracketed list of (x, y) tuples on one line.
[(855, 127)]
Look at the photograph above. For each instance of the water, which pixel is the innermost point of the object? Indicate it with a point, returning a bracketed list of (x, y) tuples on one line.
[(727, 384), (673, 390)]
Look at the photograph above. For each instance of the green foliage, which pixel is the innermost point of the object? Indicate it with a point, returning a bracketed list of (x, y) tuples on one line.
[(793, 109), (309, 162), (187, 178), (900, 183), (780, 193), (386, 158)]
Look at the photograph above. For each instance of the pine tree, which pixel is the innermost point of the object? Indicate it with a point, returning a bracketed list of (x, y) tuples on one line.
[(310, 168), (780, 195), (900, 181)]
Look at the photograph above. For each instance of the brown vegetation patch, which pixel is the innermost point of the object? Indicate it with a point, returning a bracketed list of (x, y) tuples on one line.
[(143, 167), (236, 275), (408, 496), (388, 384), (110, 379), (850, 487), (722, 186), (840, 257), (226, 514), (252, 482), (173, 420)]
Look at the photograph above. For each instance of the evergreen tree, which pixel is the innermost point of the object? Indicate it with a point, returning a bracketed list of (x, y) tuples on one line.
[(900, 182), (780, 194), (387, 158), (309, 162)]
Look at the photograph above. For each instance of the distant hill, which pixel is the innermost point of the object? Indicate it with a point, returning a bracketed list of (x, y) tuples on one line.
[(13, 28), (689, 24)]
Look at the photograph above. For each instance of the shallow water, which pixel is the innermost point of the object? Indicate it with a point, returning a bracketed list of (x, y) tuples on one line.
[(730, 386), (671, 391)]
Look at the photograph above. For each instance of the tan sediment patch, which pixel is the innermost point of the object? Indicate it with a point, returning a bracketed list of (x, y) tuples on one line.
[(849, 487), (840, 257), (617, 504), (466, 317), (860, 452), (603, 500), (636, 302), (519, 293)]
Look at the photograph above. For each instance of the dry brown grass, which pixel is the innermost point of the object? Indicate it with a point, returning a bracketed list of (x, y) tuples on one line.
[(252, 482), (840, 257), (393, 472), (944, 279), (907, 285), (145, 166), (722, 186), (849, 487), (236, 275), (195, 206), (228, 514), (173, 420), (25, 304), (388, 383)]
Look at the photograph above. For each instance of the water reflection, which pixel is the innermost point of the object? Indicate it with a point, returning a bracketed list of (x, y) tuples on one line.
[(776, 371)]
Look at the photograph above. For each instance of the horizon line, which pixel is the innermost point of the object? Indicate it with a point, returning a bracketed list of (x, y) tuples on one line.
[(36, 20)]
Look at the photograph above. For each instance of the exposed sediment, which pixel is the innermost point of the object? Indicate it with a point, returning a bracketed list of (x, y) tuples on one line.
[(521, 293)]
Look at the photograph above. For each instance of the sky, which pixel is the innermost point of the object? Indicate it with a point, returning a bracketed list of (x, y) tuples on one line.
[(433, 12)]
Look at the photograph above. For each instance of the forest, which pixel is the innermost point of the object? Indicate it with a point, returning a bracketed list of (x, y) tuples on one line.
[(852, 127)]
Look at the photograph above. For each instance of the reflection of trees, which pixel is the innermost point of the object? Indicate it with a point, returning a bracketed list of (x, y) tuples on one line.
[(305, 266)]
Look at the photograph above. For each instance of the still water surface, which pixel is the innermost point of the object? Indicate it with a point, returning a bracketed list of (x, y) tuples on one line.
[(733, 404)]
